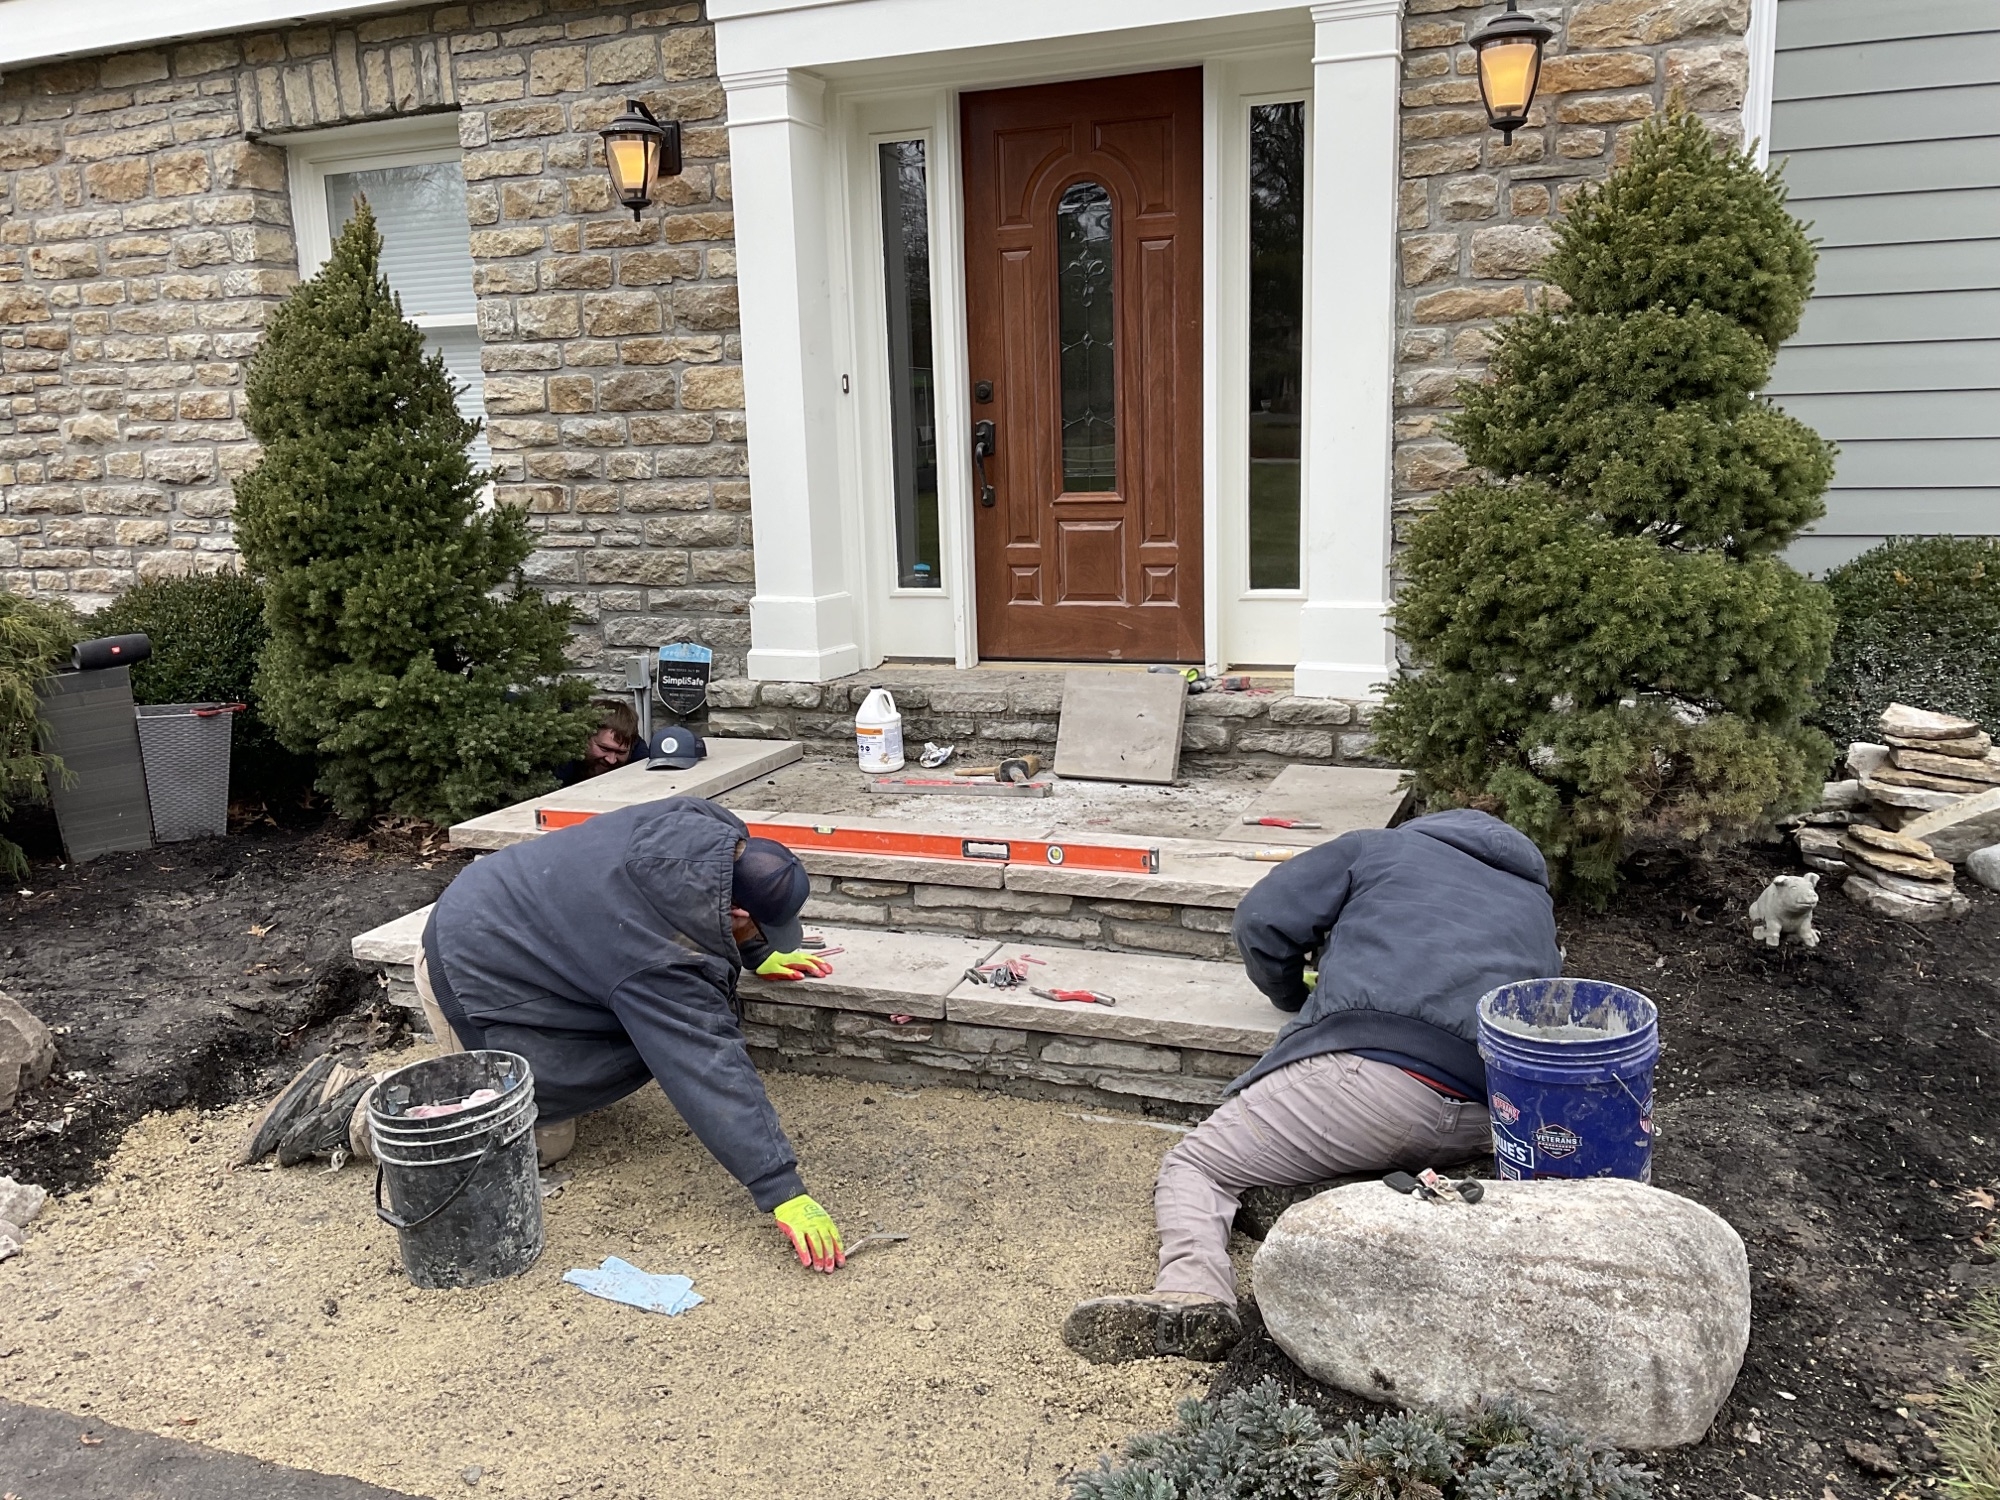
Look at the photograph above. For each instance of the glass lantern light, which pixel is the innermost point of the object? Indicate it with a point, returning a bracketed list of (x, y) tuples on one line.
[(639, 151), (1510, 65)]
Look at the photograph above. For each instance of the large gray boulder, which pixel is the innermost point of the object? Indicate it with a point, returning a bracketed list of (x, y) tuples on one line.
[(1618, 1308), (27, 1051)]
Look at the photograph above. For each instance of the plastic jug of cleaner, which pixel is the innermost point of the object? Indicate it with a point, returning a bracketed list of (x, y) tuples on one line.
[(878, 733)]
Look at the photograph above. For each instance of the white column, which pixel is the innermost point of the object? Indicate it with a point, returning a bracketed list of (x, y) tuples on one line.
[(802, 618), (1344, 643)]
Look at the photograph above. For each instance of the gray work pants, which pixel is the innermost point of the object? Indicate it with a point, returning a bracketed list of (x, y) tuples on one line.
[(1320, 1117)]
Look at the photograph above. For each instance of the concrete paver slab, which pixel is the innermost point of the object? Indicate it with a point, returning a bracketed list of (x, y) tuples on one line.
[(1343, 798), (885, 973), (1173, 1002), (729, 763), (396, 942), (1121, 726)]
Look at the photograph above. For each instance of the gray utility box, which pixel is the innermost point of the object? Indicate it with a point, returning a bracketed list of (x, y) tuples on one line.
[(186, 750), (100, 794)]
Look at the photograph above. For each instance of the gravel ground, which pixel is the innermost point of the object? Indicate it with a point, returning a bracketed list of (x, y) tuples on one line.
[(265, 1311)]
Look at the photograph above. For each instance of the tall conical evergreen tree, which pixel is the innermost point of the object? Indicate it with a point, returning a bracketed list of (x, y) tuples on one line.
[(406, 653), (1609, 646)]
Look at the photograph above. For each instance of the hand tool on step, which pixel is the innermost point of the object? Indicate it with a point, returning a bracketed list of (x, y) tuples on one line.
[(1079, 997), (1005, 975), (1261, 856), (1254, 820), (1019, 769)]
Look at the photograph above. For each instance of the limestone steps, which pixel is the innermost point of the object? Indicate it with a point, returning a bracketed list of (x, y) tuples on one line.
[(899, 1009)]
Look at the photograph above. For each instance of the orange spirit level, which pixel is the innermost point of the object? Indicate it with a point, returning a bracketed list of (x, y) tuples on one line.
[(829, 838)]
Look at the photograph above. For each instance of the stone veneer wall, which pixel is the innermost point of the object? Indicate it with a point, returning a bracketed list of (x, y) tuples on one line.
[(145, 236), (1476, 213)]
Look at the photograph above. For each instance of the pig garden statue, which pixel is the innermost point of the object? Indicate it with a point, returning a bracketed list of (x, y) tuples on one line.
[(1785, 909)]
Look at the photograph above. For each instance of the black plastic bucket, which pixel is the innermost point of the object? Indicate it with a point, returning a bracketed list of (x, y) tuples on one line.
[(464, 1196)]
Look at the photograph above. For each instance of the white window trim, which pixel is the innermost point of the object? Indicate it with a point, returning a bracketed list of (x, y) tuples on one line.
[(320, 154), (1762, 41)]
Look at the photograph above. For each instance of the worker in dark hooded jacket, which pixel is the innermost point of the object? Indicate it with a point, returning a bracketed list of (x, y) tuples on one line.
[(1380, 1069), (607, 955)]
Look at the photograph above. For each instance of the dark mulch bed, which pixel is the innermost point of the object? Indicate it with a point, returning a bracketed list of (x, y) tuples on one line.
[(1840, 1107), (193, 974)]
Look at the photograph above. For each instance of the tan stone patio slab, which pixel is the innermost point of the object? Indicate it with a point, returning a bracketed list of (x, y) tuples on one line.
[(1173, 1002), (729, 763)]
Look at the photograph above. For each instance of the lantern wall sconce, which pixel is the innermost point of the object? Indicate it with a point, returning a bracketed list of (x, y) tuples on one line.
[(639, 151), (1510, 65)]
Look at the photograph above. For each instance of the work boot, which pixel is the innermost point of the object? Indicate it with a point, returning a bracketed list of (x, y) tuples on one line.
[(295, 1099), (323, 1130), (1113, 1330)]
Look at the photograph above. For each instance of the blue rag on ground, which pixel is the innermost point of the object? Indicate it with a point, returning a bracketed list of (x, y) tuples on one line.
[(621, 1281)]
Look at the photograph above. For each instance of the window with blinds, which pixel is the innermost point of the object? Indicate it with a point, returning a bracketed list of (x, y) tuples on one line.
[(427, 256)]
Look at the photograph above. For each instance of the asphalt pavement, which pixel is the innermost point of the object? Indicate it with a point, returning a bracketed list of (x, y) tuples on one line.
[(51, 1455)]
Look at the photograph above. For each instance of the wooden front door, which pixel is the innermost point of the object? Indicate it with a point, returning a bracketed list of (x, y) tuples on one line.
[(1083, 292)]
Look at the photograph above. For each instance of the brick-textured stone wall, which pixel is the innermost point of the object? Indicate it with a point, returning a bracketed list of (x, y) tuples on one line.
[(145, 236), (1476, 213)]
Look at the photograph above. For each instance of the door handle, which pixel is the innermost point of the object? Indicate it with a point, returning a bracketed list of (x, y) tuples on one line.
[(983, 447)]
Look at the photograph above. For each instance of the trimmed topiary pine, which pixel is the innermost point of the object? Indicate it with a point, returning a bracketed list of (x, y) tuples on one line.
[(406, 653), (1609, 646)]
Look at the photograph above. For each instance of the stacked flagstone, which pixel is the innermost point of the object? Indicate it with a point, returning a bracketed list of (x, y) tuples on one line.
[(1924, 799), (1899, 876)]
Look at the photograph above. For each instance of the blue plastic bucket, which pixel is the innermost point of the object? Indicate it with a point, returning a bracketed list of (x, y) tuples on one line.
[(1569, 1078)]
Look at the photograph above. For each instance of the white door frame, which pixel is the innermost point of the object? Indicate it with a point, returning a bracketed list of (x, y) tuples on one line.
[(811, 84)]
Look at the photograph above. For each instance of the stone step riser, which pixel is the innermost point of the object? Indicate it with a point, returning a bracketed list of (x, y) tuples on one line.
[(1021, 710), (1155, 927)]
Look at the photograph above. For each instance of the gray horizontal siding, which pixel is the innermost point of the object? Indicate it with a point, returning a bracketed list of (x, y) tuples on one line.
[(1948, 265), (1901, 414), (1837, 23), (1885, 67), (1894, 167), (1816, 370), (1900, 318), (1887, 121), (1866, 119)]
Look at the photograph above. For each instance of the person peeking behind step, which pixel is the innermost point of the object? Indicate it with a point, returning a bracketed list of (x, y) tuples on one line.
[(614, 743), (1378, 1070), (607, 954)]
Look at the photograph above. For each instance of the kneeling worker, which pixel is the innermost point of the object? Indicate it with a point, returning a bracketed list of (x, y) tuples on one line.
[(1381, 1069), (607, 954)]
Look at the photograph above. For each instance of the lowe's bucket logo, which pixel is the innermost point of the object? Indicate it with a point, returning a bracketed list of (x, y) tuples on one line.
[(1515, 1155), (1557, 1141)]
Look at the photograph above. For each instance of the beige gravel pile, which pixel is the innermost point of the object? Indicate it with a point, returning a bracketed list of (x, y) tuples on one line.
[(265, 1311)]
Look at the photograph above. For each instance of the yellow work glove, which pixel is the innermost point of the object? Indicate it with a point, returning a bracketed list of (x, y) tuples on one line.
[(812, 1232), (1312, 979), (800, 965)]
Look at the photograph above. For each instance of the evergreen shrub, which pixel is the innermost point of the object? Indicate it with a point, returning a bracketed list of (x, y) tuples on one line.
[(1608, 645), (1918, 623), (407, 654), (1258, 1444), (34, 641), (207, 630)]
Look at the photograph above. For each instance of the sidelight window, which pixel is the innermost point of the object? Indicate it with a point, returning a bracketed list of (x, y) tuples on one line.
[(906, 257), (1277, 322), (1089, 375)]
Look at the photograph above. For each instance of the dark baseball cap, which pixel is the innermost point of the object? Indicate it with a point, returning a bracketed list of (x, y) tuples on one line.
[(771, 885), (675, 748)]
